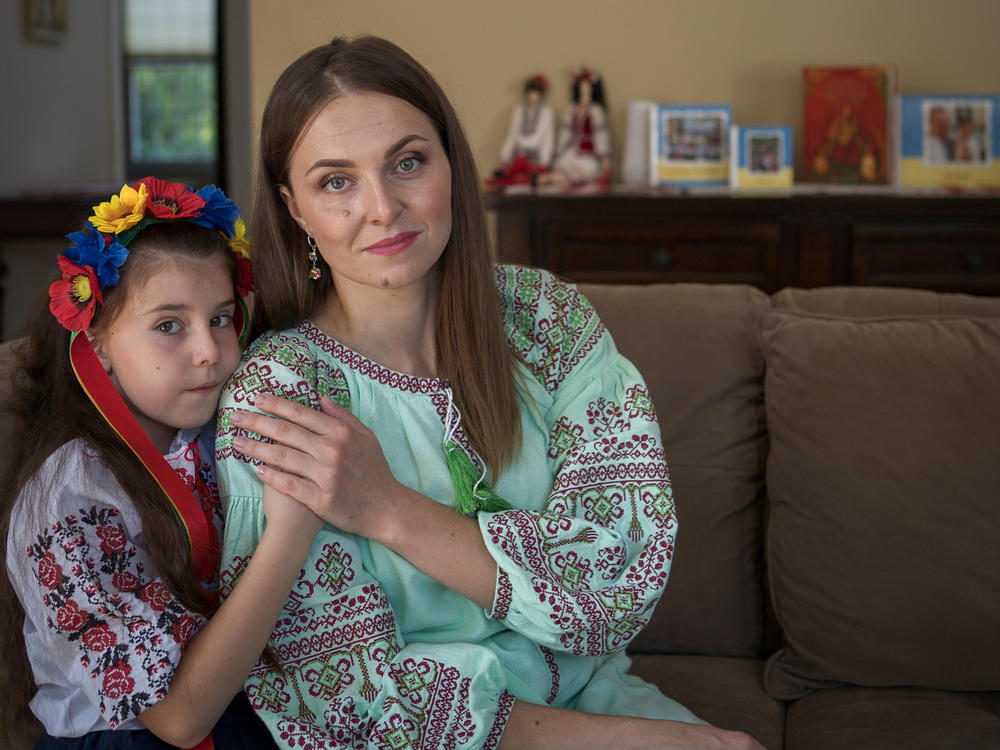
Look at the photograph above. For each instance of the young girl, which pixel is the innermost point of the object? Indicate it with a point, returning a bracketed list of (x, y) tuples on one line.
[(110, 509)]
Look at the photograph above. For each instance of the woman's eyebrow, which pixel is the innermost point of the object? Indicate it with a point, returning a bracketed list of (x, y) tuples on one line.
[(327, 163), (405, 140), (348, 164)]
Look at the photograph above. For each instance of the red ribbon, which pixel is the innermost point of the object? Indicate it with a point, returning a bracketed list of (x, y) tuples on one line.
[(102, 392)]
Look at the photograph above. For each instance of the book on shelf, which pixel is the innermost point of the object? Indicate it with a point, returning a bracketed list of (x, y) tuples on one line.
[(949, 141), (760, 156), (689, 145), (847, 124)]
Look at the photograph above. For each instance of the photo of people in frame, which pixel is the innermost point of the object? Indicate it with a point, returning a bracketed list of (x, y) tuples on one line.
[(694, 137), (765, 152), (957, 132)]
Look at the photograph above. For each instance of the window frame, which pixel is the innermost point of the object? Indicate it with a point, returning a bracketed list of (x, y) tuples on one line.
[(195, 173)]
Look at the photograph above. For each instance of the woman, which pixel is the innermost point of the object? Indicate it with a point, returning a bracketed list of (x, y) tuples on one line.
[(428, 380)]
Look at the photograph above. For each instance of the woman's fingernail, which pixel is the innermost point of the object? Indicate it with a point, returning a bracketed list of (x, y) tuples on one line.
[(238, 417), (239, 443)]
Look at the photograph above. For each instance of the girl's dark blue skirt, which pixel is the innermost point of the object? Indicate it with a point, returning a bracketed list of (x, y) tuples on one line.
[(238, 729)]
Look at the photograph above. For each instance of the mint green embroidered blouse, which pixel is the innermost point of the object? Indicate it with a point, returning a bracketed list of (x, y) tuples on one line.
[(374, 652)]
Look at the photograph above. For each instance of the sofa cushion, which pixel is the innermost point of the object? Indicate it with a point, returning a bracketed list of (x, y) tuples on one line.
[(696, 345), (725, 692), (869, 302), (884, 516), (893, 719)]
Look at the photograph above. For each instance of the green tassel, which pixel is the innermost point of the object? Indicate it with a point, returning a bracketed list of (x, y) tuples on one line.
[(464, 476)]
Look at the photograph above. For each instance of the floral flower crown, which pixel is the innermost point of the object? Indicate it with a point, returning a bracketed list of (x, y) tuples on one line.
[(90, 266)]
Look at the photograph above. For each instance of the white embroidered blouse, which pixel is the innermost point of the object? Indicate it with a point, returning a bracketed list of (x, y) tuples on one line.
[(103, 632)]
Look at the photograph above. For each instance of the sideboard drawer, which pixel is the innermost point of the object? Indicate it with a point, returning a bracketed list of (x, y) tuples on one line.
[(598, 251), (949, 256)]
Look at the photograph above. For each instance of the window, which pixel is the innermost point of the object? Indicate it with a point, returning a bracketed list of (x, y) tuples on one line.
[(172, 75)]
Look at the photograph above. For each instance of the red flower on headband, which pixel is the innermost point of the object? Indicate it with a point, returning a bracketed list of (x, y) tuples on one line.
[(171, 200), (244, 275), (73, 297)]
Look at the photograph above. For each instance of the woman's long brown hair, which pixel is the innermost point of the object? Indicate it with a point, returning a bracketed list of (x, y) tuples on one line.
[(48, 408), (472, 351)]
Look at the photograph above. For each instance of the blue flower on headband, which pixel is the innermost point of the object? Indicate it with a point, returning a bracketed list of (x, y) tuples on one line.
[(90, 248), (218, 212)]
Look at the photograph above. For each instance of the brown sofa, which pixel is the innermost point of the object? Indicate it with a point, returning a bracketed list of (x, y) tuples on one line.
[(835, 455)]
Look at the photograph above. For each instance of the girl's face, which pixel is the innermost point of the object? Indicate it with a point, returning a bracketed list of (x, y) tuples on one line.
[(173, 345), (370, 181)]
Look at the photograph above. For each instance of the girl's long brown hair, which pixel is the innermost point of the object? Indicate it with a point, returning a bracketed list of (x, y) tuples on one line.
[(472, 350), (47, 408)]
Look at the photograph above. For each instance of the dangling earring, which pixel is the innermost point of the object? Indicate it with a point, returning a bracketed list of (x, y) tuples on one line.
[(314, 272)]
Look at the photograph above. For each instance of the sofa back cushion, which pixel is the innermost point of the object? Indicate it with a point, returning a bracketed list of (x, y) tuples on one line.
[(883, 478), (696, 345)]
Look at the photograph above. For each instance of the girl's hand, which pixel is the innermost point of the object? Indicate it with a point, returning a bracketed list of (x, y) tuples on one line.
[(327, 460), (290, 518)]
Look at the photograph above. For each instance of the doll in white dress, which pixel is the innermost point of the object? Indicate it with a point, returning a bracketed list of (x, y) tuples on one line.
[(531, 136)]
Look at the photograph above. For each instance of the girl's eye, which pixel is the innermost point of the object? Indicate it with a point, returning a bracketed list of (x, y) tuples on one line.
[(222, 321), (168, 326), (335, 183)]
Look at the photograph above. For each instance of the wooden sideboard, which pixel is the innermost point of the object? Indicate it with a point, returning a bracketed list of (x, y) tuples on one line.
[(806, 239)]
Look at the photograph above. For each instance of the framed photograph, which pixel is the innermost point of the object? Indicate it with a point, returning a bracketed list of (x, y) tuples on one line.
[(761, 156), (45, 20), (947, 141), (689, 145), (956, 131)]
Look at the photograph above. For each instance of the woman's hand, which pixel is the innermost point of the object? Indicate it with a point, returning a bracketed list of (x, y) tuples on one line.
[(333, 464), (532, 726), (327, 460)]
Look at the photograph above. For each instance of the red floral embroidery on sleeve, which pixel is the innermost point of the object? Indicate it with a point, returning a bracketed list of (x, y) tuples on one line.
[(96, 590)]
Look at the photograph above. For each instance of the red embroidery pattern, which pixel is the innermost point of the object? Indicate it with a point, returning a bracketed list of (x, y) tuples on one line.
[(549, 324), (127, 649), (504, 707), (265, 367), (564, 436), (366, 367), (613, 477), (503, 596), (550, 662), (339, 654)]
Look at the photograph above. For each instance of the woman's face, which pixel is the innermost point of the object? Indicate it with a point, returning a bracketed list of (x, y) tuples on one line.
[(370, 181)]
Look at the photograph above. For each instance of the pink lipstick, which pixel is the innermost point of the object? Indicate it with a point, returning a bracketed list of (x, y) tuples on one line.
[(393, 245)]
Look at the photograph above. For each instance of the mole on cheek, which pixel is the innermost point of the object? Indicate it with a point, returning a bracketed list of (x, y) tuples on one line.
[(384, 281)]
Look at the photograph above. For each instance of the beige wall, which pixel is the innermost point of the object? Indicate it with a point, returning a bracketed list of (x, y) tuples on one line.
[(747, 53)]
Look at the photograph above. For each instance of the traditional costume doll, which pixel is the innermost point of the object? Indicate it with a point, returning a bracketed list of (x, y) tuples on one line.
[(584, 150), (527, 150)]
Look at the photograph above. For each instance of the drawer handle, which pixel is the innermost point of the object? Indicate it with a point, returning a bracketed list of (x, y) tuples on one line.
[(663, 259), (973, 261)]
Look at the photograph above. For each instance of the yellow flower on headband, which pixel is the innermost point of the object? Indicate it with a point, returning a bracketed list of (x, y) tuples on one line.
[(122, 212), (239, 244)]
